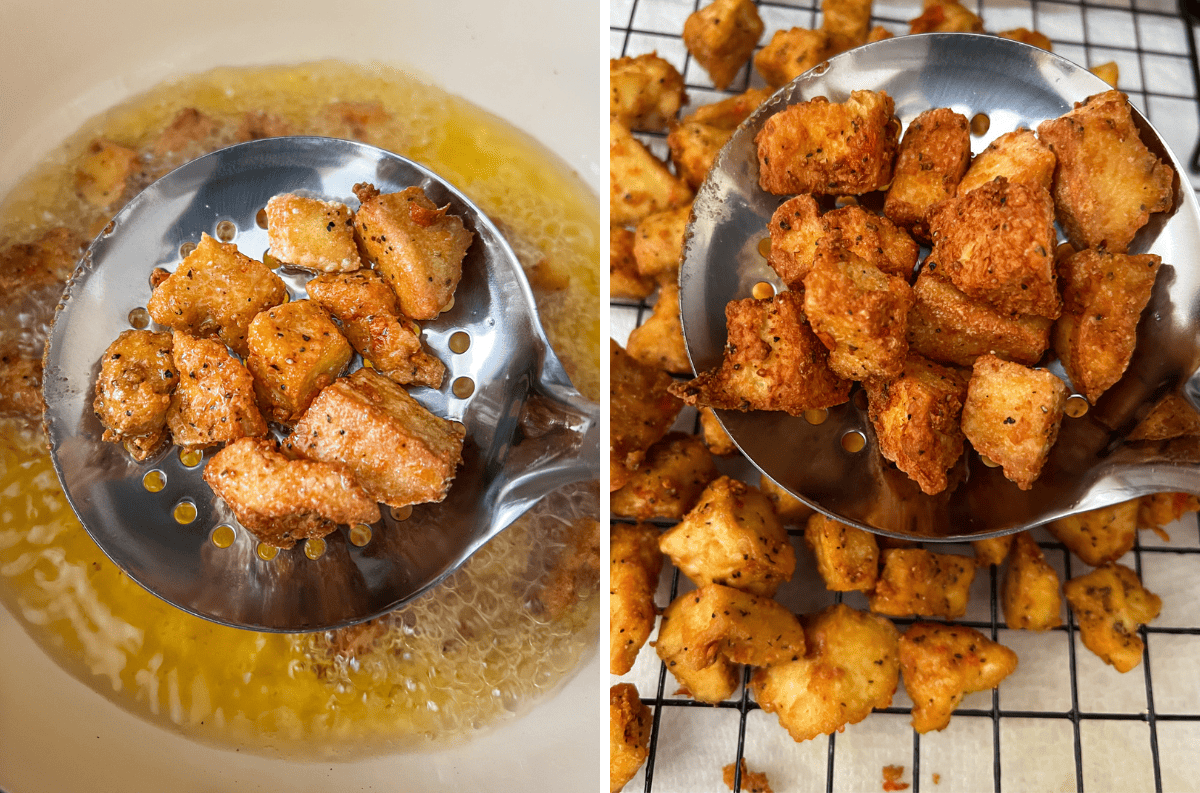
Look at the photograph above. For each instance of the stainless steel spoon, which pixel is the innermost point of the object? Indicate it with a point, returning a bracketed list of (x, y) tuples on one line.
[(529, 431), (1092, 465)]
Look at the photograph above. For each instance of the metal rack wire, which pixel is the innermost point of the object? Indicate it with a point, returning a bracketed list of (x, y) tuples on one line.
[(1063, 710)]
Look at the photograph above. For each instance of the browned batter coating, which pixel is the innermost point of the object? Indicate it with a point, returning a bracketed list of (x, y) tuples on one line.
[(742, 628), (668, 482), (133, 391), (641, 411), (639, 183), (945, 16), (312, 234), (721, 37), (923, 583), (1172, 417), (847, 558), (933, 156), (791, 53), (214, 400), (49, 260), (644, 92), (295, 351), (1030, 593), (1111, 604), (1018, 156), (658, 341), (943, 663), (634, 564), (624, 280), (629, 723), (105, 173), (20, 383), (1099, 535), (848, 23), (658, 244), (697, 139)]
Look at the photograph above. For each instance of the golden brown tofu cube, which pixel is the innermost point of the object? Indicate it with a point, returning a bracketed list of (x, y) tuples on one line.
[(214, 400), (1111, 604), (1012, 415), (624, 280), (659, 341), (641, 412), (629, 724), (824, 148), (715, 437), (1027, 36), (847, 558), (945, 16), (772, 361), (851, 666), (997, 245), (21, 385), (1108, 72), (1103, 297), (1030, 593), (1018, 156), (859, 313), (796, 227), (417, 248), (644, 92), (1159, 509), (295, 351), (1099, 535), (791, 53), (104, 173), (312, 234), (1108, 183), (992, 551), (721, 37), (190, 134), (639, 183), (47, 261), (1172, 417), (698, 138), (729, 113), (847, 22), (790, 510), (658, 246), (732, 537), (922, 583), (398, 451), (668, 482), (133, 391), (719, 621), (918, 419), (943, 663), (633, 567), (933, 156), (711, 683)]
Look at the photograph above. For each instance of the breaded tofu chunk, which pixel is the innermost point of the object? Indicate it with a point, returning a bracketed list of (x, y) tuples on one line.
[(281, 500), (104, 173), (658, 246), (133, 391), (847, 558), (214, 400), (20, 383), (717, 620), (850, 667), (668, 482), (772, 361), (1103, 297), (795, 228), (1109, 72), (312, 234), (216, 291), (715, 437), (641, 411), (416, 247), (1107, 183), (790, 510), (825, 148), (371, 320), (47, 261), (1012, 415), (1099, 535), (991, 551), (997, 245), (1019, 156), (943, 663), (947, 326), (732, 537), (945, 16), (639, 183), (698, 138), (259, 124), (730, 113), (634, 564), (624, 280), (1030, 593), (1111, 604), (295, 351), (711, 683), (721, 37), (933, 156), (918, 419), (916, 582), (847, 22), (859, 313), (791, 53), (1159, 509), (629, 723), (398, 451), (1172, 417), (1027, 36), (644, 92), (659, 341)]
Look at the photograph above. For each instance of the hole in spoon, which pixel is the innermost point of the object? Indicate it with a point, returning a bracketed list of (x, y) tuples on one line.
[(980, 124), (154, 481), (226, 230), (270, 261), (816, 416), (401, 513), (184, 513), (260, 219), (460, 342), (360, 534), (314, 548), (266, 552), (988, 461), (846, 201), (1076, 406), (139, 318), (190, 457), (222, 536), (764, 247), (854, 441), (463, 387), (762, 291), (186, 249)]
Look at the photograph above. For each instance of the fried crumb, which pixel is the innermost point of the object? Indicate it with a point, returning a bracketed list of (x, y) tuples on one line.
[(751, 781), (891, 778)]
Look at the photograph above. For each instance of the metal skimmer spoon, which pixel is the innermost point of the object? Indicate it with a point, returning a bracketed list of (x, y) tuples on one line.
[(529, 431), (1092, 465)]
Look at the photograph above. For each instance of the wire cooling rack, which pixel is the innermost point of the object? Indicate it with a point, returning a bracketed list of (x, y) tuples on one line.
[(1064, 720)]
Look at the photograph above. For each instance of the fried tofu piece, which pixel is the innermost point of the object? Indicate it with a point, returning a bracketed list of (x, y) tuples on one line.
[(659, 341), (1159, 509), (312, 234), (715, 437), (721, 37), (634, 564), (943, 663), (710, 683), (1172, 417), (922, 583), (20, 383), (945, 16), (791, 53), (751, 781), (1111, 604), (644, 92), (859, 313), (933, 156), (1012, 415), (790, 510), (1109, 72), (213, 402), (847, 22), (699, 137), (629, 724), (728, 114), (658, 246), (639, 183), (1099, 535), (416, 247), (879, 33), (847, 558), (363, 121), (295, 351), (796, 227), (190, 134), (624, 280), (371, 321), (996, 244), (104, 172), (851, 666), (825, 148), (1107, 183), (1104, 295), (732, 537), (1030, 592), (1019, 156), (641, 412), (918, 419), (1027, 36), (772, 361), (50, 260), (717, 620), (668, 482), (259, 124), (398, 451), (991, 551), (133, 390)]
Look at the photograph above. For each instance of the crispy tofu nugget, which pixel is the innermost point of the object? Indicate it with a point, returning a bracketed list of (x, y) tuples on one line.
[(791, 53), (790, 510), (1027, 36), (644, 92), (824, 148), (1103, 298), (1110, 604), (214, 400), (133, 391), (1019, 156), (933, 156), (659, 341), (847, 558), (945, 16), (721, 37), (943, 663), (742, 628), (732, 537), (918, 419), (850, 667), (1107, 183), (295, 351), (312, 234), (641, 411), (1159, 509), (21, 383), (847, 22), (1030, 594), (698, 138), (47, 261), (1172, 417), (772, 361), (730, 113), (658, 245), (992, 551), (1099, 535), (629, 723), (624, 280), (639, 183), (710, 683), (997, 244), (922, 583), (668, 482), (795, 228), (1109, 72), (634, 564), (104, 173), (715, 437), (752, 781)]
